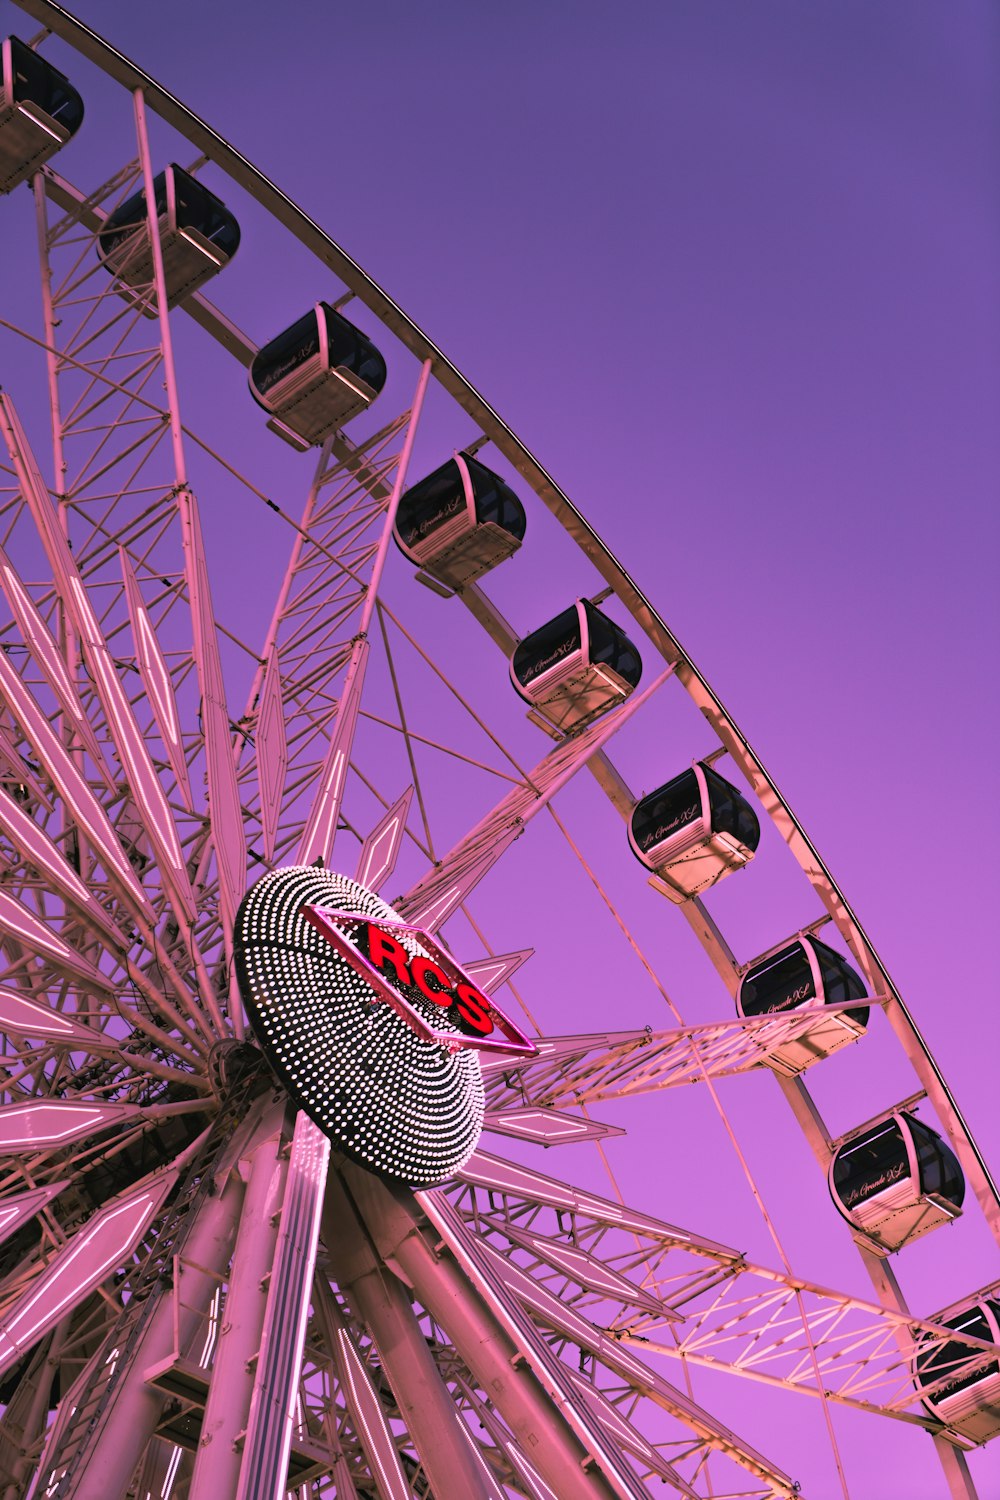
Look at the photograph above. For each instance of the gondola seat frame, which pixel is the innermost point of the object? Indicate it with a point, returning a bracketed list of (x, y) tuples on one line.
[(190, 258), (902, 1211), (313, 399), (464, 547), (831, 1032), (574, 690), (697, 856), (29, 136)]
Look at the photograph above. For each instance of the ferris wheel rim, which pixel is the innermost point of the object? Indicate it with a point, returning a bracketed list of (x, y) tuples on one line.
[(574, 523), (89, 42)]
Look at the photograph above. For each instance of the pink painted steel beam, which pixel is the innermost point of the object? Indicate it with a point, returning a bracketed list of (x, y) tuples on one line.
[(383, 1306), (42, 645), (94, 1251), (380, 849), (156, 680), (225, 812), (264, 1470), (548, 1127), (20, 1016), (219, 1455), (321, 825), (496, 968), (40, 1123), (20, 928), (272, 752), (76, 795), (439, 893), (37, 849), (129, 740), (367, 1417), (21, 1207), (493, 1338)]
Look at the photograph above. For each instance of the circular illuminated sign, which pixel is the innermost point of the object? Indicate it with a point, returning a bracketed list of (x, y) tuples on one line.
[(396, 1086)]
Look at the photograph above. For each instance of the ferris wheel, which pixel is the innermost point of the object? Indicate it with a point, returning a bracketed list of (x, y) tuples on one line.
[(330, 896)]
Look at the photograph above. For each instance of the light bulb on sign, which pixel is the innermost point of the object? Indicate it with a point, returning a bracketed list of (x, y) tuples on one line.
[(382, 1055)]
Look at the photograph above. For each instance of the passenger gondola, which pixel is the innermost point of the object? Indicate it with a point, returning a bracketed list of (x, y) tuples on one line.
[(459, 522), (958, 1385), (39, 112), (576, 667), (692, 831), (895, 1181), (805, 974), (198, 237), (315, 376)]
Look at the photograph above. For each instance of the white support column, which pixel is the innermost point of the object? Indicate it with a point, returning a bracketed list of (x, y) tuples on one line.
[(544, 1423), (425, 1404), (269, 1430), (217, 1464), (135, 1405)]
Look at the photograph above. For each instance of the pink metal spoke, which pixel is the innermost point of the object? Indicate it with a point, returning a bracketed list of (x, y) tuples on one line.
[(107, 1239), (380, 849)]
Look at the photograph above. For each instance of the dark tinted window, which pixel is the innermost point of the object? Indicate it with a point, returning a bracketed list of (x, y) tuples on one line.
[(495, 501), (199, 209), (285, 353), (430, 503), (874, 1162), (939, 1170), (611, 646), (840, 982), (547, 647), (36, 80), (665, 811), (350, 348), (938, 1361), (731, 813), (129, 216), (780, 982)]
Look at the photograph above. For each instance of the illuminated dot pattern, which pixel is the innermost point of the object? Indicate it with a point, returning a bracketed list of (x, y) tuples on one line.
[(404, 1108)]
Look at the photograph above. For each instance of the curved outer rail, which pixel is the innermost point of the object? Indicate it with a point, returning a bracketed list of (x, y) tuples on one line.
[(86, 41)]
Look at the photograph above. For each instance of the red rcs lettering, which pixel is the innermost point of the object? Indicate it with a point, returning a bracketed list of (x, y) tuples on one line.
[(387, 955), (474, 1008), (423, 971), (384, 949)]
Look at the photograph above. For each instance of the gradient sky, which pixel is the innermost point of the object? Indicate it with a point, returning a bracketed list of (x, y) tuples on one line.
[(730, 270)]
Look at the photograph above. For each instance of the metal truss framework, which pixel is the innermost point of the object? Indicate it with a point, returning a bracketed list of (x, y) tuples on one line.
[(211, 1307)]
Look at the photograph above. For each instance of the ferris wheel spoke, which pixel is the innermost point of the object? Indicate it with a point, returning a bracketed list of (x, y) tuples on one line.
[(129, 742), (382, 1306), (492, 1336), (319, 627), (226, 818), (271, 746), (439, 893), (501, 1276), (73, 789), (40, 643), (380, 850), (728, 1314), (117, 1406), (157, 681), (367, 1416), (269, 1424), (107, 1239), (321, 822), (578, 1070)]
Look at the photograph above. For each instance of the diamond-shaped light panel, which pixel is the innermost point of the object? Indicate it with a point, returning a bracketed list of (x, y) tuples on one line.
[(407, 1108)]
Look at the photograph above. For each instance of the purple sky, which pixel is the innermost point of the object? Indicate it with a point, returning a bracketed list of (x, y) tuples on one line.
[(730, 270)]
